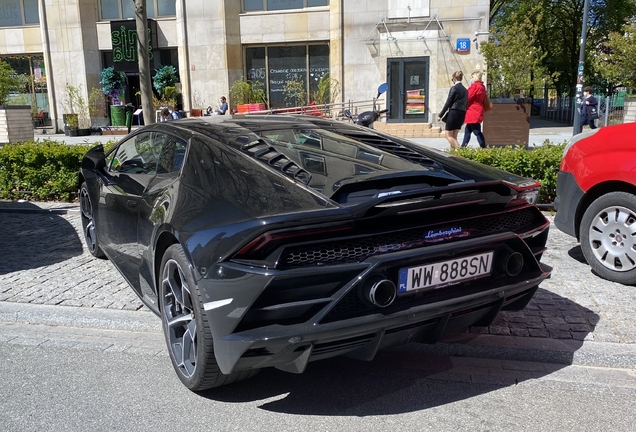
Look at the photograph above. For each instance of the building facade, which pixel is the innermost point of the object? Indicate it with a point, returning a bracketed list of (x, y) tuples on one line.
[(413, 45)]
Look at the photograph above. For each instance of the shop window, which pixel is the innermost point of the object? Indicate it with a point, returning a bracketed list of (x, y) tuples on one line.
[(125, 9), (32, 89), (275, 5), (19, 12), (283, 68)]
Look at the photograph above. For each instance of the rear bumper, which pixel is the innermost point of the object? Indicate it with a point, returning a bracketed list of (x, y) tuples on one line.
[(343, 324), (566, 203), (363, 338)]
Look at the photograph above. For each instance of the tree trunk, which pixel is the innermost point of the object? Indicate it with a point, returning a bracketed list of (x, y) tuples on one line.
[(145, 83)]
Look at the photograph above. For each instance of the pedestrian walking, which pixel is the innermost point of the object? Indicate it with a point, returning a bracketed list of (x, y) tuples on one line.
[(589, 110), (475, 111), (454, 110)]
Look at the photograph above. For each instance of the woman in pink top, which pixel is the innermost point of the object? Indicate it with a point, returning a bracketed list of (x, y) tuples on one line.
[(475, 112)]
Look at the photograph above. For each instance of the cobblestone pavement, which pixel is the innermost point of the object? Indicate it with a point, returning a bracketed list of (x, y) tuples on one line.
[(44, 261)]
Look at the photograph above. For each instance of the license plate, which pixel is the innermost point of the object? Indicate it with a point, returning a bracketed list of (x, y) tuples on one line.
[(445, 273)]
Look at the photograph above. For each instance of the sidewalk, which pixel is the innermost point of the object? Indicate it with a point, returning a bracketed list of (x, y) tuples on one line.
[(540, 131)]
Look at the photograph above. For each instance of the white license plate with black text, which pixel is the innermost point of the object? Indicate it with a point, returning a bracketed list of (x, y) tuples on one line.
[(445, 272)]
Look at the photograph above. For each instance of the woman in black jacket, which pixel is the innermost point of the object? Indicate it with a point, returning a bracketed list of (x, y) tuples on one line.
[(456, 105), (589, 110)]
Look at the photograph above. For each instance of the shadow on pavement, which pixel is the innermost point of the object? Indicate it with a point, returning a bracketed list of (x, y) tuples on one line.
[(411, 378), (32, 237), (577, 253)]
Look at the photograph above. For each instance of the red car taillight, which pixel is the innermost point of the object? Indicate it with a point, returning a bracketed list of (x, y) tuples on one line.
[(526, 194), (263, 245)]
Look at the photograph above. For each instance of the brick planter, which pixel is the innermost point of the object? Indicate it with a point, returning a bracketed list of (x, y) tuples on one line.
[(507, 123)]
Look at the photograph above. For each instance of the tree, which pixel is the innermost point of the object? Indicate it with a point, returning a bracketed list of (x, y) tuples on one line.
[(8, 81), (559, 25), (615, 62), (514, 59), (145, 81)]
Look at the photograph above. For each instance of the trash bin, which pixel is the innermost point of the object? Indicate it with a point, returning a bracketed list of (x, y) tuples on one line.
[(118, 115)]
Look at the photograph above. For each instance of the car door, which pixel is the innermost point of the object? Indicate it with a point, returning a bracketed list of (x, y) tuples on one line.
[(130, 169), (157, 203)]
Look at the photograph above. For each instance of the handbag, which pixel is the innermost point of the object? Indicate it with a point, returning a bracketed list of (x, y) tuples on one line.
[(444, 116), (593, 112), (487, 104)]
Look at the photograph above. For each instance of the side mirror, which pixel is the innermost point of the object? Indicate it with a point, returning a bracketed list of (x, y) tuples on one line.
[(382, 89), (347, 113)]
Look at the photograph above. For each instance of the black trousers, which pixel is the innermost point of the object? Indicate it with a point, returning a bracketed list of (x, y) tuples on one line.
[(591, 122), (474, 128)]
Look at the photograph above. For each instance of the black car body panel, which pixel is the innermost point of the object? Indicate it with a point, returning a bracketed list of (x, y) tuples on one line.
[(289, 223), (567, 202)]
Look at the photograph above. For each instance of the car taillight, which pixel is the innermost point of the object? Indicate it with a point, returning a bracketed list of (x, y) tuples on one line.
[(263, 245), (526, 193)]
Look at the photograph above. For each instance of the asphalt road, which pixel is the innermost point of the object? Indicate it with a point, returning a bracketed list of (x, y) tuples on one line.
[(53, 387)]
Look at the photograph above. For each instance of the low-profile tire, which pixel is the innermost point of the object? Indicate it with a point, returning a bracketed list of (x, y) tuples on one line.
[(88, 223), (608, 237), (186, 327)]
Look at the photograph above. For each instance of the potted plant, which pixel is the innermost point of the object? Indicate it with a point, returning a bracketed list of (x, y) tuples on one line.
[(197, 105), (295, 92), (327, 90), (113, 83), (165, 76), (16, 120), (77, 118), (97, 108), (248, 95)]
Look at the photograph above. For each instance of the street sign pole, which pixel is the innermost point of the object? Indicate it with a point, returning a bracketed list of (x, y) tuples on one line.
[(579, 75)]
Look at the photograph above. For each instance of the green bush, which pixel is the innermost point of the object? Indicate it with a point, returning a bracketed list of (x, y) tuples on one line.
[(41, 170), (540, 163)]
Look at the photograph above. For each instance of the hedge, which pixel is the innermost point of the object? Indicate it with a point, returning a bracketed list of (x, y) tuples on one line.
[(540, 163), (47, 170), (41, 170)]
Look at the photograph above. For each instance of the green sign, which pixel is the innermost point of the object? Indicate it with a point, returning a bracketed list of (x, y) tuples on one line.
[(124, 39)]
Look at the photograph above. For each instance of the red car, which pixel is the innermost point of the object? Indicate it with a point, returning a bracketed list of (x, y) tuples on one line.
[(596, 199)]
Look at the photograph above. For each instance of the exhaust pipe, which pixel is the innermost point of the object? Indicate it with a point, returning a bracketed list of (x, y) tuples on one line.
[(510, 264), (514, 264), (380, 292)]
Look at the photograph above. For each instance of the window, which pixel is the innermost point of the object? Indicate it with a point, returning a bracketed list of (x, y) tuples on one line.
[(277, 66), (172, 153), (275, 5), (137, 155), (125, 9), (19, 12)]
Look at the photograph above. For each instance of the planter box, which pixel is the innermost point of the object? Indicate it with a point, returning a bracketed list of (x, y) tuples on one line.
[(196, 112), (507, 123), (16, 124)]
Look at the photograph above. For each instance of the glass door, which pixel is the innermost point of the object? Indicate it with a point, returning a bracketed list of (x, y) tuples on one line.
[(408, 89)]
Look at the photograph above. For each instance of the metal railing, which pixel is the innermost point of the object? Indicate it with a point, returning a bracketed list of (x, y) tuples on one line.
[(332, 110)]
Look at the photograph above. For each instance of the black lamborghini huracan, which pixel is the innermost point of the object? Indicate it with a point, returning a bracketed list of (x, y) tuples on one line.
[(280, 240)]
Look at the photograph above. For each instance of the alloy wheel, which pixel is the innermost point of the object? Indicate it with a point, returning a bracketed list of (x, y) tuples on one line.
[(179, 318), (88, 224)]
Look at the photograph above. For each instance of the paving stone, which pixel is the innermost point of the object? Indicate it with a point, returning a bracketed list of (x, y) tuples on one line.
[(45, 262)]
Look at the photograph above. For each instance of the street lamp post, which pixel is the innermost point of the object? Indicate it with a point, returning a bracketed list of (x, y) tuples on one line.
[(579, 76)]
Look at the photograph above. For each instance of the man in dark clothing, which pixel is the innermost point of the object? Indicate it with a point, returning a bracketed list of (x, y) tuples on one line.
[(589, 109)]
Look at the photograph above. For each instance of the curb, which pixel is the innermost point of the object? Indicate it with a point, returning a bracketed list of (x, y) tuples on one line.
[(71, 316), (38, 211), (539, 350)]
